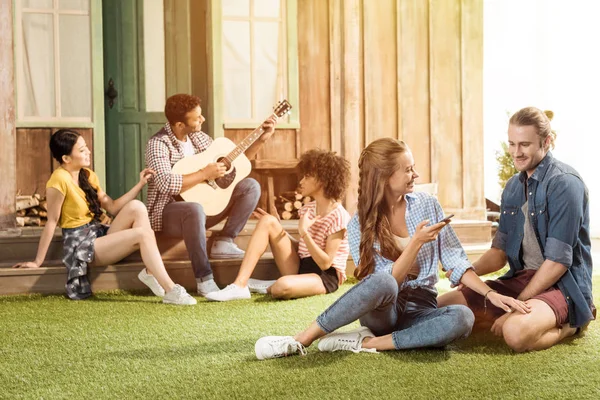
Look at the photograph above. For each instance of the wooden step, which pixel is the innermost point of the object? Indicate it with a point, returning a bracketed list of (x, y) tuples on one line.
[(22, 246), (52, 279), (472, 231)]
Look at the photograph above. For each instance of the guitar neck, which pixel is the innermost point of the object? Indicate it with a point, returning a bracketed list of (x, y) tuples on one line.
[(247, 142)]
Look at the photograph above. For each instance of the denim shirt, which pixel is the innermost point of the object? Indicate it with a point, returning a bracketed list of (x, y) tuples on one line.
[(559, 213), (446, 249)]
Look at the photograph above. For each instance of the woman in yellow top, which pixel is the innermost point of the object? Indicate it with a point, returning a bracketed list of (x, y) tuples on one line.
[(75, 199)]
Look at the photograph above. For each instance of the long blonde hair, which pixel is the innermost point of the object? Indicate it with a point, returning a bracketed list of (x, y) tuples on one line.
[(377, 162)]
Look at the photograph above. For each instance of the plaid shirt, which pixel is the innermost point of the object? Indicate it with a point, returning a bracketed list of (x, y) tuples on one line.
[(445, 249), (162, 152)]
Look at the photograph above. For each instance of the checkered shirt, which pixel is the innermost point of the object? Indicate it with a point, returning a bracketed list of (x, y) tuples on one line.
[(446, 249), (162, 152)]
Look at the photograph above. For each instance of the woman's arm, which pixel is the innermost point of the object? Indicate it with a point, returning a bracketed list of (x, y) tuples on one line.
[(114, 206), (54, 199), (423, 234), (471, 280), (324, 258)]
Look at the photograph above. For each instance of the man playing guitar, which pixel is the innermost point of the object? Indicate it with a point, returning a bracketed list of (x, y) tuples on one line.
[(181, 137)]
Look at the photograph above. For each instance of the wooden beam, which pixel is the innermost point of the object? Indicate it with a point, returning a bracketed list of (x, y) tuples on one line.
[(472, 107), (8, 188), (380, 70), (413, 85), (353, 94), (446, 104), (335, 74)]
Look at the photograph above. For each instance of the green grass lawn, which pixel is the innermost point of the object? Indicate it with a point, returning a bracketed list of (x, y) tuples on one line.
[(118, 345)]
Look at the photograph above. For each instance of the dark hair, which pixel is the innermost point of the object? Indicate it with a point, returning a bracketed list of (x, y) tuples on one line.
[(179, 105), (61, 144), (330, 169)]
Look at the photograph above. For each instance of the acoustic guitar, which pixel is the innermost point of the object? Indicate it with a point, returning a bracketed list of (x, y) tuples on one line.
[(214, 195)]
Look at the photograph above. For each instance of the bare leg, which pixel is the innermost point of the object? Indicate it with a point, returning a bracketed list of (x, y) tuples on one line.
[(310, 334), (131, 231), (297, 286), (534, 331), (268, 231), (450, 298), (381, 343)]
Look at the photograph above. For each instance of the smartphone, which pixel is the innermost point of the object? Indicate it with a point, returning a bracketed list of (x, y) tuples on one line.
[(448, 218)]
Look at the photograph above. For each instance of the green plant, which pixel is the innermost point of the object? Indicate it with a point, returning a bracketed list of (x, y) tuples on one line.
[(506, 167)]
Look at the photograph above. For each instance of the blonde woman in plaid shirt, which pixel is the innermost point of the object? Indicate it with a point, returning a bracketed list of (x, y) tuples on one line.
[(397, 244), (181, 137)]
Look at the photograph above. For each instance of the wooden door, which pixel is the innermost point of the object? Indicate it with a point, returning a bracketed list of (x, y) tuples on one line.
[(128, 124)]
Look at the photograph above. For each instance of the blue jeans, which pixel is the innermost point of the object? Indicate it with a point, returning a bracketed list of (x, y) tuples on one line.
[(188, 221), (411, 315)]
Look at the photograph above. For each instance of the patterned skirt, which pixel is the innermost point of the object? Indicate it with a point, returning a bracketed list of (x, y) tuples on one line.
[(78, 252)]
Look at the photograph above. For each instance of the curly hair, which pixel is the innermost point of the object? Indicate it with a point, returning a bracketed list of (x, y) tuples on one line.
[(178, 105), (377, 163), (61, 144), (330, 169)]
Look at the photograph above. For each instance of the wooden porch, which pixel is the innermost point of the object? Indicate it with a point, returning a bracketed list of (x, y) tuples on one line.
[(51, 277)]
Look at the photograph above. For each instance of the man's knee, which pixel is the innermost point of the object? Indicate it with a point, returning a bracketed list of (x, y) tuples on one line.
[(196, 212), (519, 331), (250, 187)]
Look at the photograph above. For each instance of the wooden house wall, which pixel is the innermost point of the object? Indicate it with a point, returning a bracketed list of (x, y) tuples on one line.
[(409, 69), (34, 160)]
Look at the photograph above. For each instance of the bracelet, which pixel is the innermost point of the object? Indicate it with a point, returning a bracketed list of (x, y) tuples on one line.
[(302, 236), (485, 299)]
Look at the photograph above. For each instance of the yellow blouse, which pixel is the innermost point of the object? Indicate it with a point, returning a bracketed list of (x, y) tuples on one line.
[(75, 210)]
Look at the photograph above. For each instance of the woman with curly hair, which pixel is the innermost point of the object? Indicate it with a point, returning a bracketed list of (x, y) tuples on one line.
[(314, 264), (397, 252), (75, 199)]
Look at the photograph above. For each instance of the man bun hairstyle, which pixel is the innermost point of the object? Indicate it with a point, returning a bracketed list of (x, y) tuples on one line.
[(532, 116)]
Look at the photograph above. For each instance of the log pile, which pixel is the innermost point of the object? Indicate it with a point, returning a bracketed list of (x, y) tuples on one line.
[(288, 204), (31, 210)]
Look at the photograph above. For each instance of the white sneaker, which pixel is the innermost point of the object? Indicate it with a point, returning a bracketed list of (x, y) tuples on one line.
[(207, 287), (222, 249), (179, 296), (277, 346), (230, 292), (259, 286), (350, 341), (151, 282)]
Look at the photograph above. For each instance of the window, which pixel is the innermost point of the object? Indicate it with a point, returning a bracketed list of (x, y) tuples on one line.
[(54, 60), (258, 42)]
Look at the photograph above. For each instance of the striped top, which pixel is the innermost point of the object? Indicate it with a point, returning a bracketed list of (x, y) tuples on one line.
[(336, 220)]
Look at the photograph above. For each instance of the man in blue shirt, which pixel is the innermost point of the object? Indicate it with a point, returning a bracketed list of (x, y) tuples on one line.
[(544, 235)]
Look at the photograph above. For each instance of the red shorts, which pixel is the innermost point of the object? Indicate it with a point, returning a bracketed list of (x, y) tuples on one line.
[(513, 287)]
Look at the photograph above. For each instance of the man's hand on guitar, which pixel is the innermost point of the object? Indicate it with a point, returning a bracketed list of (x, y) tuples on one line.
[(213, 171), (268, 128)]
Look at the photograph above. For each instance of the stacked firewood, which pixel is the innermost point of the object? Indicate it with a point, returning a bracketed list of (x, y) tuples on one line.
[(31, 210), (288, 204)]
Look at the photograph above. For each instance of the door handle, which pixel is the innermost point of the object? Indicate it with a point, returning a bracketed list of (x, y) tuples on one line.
[(111, 93)]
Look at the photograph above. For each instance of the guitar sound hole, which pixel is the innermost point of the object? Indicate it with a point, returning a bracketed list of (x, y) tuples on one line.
[(225, 161), (225, 181)]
